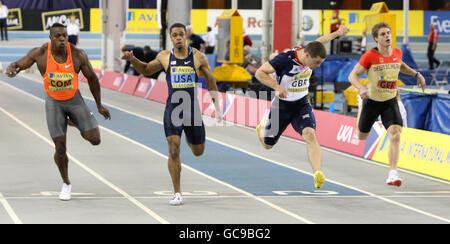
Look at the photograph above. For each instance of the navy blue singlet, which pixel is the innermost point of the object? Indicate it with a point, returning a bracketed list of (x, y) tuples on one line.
[(182, 111)]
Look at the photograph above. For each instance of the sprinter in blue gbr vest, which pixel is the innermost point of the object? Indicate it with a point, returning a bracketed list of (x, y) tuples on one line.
[(182, 113), (291, 106)]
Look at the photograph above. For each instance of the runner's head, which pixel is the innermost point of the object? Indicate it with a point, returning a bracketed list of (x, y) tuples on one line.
[(314, 54), (178, 35), (58, 35), (432, 26), (381, 32)]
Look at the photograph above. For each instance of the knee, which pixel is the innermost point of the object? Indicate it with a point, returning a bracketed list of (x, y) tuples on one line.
[(394, 135), (60, 150), (174, 150), (363, 136), (92, 137), (267, 146), (198, 153), (95, 141), (309, 135)]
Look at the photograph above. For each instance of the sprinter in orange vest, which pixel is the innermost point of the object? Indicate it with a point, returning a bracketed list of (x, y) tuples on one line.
[(59, 63)]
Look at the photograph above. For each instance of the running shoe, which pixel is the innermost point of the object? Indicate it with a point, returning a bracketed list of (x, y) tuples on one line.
[(394, 179), (65, 192), (319, 179), (176, 200)]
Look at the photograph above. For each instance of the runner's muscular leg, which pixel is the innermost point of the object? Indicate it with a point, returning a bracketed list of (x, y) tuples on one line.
[(314, 150), (93, 136), (197, 150), (394, 132), (174, 163), (61, 159)]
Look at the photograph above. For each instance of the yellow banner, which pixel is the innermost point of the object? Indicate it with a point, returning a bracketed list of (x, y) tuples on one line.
[(142, 20), (146, 20), (421, 151), (355, 20)]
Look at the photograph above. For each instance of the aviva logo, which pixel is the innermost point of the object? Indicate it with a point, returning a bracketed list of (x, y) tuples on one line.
[(302, 76), (60, 76), (141, 16), (353, 18)]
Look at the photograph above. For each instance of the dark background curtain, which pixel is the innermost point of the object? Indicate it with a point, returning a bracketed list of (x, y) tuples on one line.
[(69, 4)]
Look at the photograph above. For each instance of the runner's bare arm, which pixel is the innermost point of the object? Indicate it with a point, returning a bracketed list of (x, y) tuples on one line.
[(263, 75), (142, 67), (342, 31), (354, 80), (94, 85), (404, 68), (25, 62), (211, 83)]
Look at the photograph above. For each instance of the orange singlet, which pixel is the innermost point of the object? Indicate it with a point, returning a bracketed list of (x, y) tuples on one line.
[(60, 80)]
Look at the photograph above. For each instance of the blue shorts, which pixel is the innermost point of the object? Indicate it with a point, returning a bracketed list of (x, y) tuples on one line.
[(298, 113), (175, 122)]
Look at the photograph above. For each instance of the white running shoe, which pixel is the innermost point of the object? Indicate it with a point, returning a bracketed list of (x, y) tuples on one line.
[(176, 200), (65, 192), (394, 179)]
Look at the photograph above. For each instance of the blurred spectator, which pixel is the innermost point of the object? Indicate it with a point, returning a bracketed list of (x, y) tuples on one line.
[(138, 52), (210, 39), (432, 44), (73, 31), (247, 41), (335, 23), (195, 40), (364, 42), (150, 55), (361, 44), (3, 23)]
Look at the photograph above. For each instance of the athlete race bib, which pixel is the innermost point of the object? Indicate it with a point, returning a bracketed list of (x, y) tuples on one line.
[(300, 82), (182, 77), (60, 82)]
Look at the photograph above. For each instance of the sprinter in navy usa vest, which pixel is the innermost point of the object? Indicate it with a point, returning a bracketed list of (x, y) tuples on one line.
[(182, 109), (292, 70), (182, 112)]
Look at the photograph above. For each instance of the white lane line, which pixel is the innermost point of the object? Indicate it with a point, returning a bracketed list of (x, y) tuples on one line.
[(9, 210), (92, 172), (161, 155)]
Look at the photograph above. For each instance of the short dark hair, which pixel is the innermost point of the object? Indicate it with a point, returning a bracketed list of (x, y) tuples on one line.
[(378, 26), (56, 25), (177, 25), (316, 49)]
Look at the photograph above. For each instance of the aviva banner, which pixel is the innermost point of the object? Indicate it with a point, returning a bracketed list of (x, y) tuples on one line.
[(421, 151), (138, 20), (146, 21)]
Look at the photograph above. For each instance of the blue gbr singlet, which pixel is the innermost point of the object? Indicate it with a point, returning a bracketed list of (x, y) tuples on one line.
[(181, 75)]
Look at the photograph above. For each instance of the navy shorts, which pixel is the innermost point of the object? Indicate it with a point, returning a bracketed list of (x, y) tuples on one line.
[(176, 121), (282, 113), (389, 111)]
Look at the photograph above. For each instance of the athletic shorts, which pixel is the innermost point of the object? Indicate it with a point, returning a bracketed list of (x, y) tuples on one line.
[(191, 122), (298, 113), (389, 111), (58, 111)]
